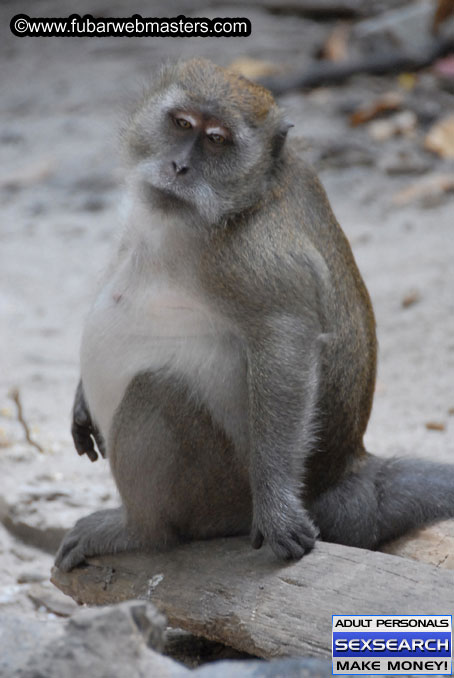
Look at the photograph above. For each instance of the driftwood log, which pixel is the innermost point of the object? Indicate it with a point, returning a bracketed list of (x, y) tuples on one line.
[(227, 592)]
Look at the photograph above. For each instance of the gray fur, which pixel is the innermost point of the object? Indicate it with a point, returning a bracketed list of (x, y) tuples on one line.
[(229, 357)]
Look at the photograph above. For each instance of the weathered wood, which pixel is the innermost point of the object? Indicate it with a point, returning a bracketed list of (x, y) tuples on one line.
[(433, 545), (225, 591)]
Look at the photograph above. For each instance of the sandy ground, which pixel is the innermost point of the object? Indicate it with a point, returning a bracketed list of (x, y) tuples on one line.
[(61, 101)]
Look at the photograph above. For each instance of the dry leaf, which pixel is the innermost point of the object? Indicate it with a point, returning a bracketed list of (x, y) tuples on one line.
[(389, 102), (401, 123), (440, 138), (451, 411), (411, 298), (254, 68), (336, 45), (428, 187), (435, 426)]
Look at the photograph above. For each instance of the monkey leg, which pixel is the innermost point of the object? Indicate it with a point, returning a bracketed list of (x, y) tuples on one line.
[(178, 475)]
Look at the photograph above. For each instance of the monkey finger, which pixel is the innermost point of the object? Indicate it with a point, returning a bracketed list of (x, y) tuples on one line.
[(68, 544), (306, 540), (83, 442), (91, 454)]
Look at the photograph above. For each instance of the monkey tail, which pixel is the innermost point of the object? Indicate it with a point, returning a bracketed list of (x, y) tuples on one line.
[(384, 499)]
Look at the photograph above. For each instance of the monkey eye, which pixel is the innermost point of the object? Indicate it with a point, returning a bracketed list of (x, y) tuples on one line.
[(216, 138), (182, 122)]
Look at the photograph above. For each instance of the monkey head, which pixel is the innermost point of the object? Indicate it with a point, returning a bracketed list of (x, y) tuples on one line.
[(205, 140)]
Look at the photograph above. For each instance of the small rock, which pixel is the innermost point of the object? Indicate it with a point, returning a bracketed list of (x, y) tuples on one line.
[(31, 577), (52, 599)]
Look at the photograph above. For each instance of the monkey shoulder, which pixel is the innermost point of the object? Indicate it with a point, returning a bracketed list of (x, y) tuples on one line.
[(269, 256)]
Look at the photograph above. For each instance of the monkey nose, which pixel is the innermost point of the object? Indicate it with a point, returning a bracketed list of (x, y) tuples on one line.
[(179, 168)]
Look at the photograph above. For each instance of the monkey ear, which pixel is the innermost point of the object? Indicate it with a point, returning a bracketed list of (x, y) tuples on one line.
[(280, 137)]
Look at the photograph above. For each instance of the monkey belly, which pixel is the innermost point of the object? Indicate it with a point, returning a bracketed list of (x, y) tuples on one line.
[(178, 473), (155, 327)]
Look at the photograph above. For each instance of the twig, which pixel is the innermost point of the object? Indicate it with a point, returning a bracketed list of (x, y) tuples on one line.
[(326, 72), (15, 395)]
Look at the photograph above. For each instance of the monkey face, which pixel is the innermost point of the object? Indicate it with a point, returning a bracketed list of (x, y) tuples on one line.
[(204, 141), (189, 165)]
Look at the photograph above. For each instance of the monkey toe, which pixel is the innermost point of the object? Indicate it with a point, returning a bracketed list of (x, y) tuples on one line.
[(69, 561), (95, 535), (289, 539), (77, 545), (293, 546), (70, 554), (287, 549)]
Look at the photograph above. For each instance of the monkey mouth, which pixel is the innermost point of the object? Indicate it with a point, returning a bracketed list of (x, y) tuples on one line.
[(190, 196), (162, 189), (166, 196)]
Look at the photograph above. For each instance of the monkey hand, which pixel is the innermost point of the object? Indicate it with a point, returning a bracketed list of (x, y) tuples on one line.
[(84, 432), (286, 526)]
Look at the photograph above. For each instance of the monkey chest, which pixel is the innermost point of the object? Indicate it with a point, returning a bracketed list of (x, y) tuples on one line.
[(150, 325)]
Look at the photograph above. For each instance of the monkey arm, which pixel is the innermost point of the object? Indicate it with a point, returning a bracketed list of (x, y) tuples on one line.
[(283, 366), (84, 432)]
